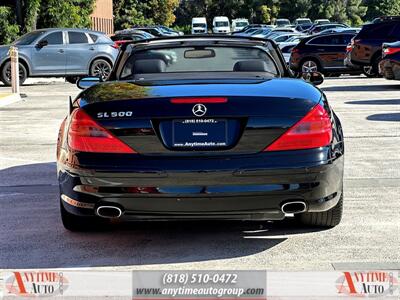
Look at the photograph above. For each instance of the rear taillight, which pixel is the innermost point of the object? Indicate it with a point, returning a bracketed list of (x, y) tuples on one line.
[(295, 50), (349, 47), (390, 50), (86, 135), (313, 131)]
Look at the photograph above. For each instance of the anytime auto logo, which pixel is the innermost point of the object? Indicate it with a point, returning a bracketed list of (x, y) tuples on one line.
[(36, 284), (367, 284)]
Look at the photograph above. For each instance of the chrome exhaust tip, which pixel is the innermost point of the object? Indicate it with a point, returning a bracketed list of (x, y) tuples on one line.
[(109, 212), (293, 207)]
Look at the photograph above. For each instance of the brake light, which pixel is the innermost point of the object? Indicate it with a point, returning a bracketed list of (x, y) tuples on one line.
[(313, 131), (391, 50), (86, 135), (117, 44), (295, 50), (199, 100), (349, 47)]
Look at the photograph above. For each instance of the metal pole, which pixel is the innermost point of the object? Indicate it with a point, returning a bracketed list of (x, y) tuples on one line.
[(14, 69)]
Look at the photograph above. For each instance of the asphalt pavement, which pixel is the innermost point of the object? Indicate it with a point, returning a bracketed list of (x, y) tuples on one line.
[(32, 235)]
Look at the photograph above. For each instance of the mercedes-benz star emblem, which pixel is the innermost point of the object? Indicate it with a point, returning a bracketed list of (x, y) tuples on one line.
[(199, 110)]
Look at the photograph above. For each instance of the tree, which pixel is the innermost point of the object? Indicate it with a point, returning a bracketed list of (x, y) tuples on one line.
[(129, 13), (377, 8), (355, 11), (9, 30), (295, 9), (162, 11), (66, 13)]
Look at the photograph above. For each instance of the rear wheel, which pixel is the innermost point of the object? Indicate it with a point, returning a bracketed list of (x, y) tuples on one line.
[(100, 68), (329, 218), (5, 73), (73, 222)]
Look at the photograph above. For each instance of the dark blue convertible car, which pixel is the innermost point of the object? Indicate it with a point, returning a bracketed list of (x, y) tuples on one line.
[(200, 127)]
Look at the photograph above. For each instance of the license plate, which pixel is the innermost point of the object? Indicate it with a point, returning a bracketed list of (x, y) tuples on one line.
[(199, 133)]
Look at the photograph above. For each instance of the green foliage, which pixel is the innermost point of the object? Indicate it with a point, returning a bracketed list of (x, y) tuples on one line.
[(377, 8), (66, 13), (144, 12), (8, 28)]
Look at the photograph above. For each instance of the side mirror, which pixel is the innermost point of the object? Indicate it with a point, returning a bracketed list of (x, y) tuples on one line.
[(42, 43), (315, 78), (86, 82)]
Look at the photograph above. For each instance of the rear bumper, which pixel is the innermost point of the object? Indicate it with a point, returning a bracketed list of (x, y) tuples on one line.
[(390, 69), (221, 194)]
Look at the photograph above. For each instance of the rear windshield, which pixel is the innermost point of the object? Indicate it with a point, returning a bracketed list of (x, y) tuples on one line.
[(201, 25), (241, 24), (28, 38), (199, 59)]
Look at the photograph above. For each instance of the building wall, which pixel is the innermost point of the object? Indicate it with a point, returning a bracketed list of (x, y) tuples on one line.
[(102, 16)]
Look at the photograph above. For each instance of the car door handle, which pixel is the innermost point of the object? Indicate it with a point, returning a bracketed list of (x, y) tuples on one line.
[(61, 51), (91, 48)]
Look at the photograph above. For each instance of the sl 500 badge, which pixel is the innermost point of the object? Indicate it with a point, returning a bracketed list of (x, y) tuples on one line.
[(114, 114)]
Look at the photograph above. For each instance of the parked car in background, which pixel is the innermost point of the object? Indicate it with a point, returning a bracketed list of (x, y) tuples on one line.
[(322, 53), (131, 35), (366, 47), (253, 26), (282, 22), (154, 30), (303, 21), (284, 37), (239, 24), (389, 66), (260, 33), (56, 52), (170, 31), (318, 28), (199, 25), (303, 27), (321, 21), (341, 30), (221, 25), (287, 46)]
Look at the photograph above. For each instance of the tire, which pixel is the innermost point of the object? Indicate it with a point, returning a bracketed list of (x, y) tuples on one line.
[(5, 73), (369, 72), (100, 68), (329, 218), (76, 223), (72, 79), (309, 65)]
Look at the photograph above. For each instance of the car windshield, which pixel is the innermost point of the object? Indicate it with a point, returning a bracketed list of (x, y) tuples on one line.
[(303, 21), (241, 24), (199, 25), (221, 24), (28, 38), (208, 59), (282, 22)]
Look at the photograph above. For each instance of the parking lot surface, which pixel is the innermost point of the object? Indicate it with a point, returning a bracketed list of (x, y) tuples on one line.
[(32, 235)]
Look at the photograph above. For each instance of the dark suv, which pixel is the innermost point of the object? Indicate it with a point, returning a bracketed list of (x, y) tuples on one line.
[(322, 53), (366, 47)]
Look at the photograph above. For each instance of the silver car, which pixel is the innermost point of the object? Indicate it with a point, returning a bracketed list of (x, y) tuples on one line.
[(65, 52)]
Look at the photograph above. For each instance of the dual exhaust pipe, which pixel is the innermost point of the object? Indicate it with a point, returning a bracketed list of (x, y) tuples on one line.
[(114, 212)]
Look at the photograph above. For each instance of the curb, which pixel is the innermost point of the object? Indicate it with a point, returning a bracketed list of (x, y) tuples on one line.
[(6, 99)]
